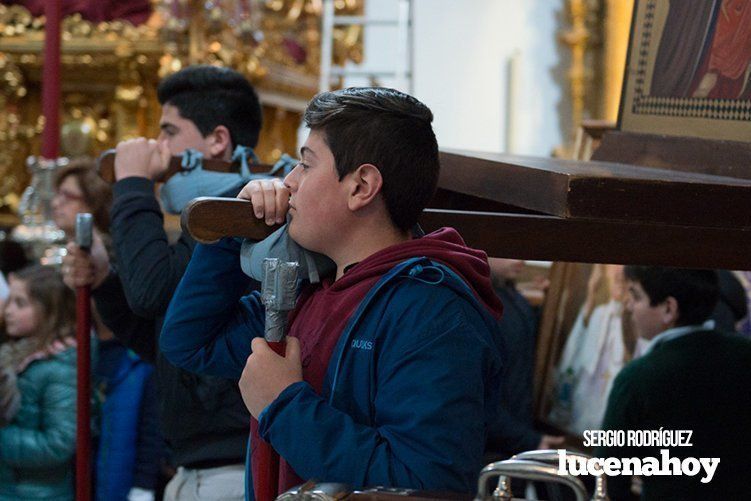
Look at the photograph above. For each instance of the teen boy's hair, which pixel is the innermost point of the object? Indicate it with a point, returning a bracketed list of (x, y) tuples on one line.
[(388, 129), (695, 291), (210, 96)]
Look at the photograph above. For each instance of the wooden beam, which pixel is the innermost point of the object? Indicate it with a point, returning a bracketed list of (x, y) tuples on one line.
[(599, 190), (524, 236), (550, 238)]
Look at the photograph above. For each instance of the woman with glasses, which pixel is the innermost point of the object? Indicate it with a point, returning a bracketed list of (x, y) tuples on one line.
[(78, 188)]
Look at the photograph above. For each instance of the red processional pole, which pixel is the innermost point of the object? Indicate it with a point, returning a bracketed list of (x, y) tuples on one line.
[(266, 486), (51, 97), (51, 80), (84, 228)]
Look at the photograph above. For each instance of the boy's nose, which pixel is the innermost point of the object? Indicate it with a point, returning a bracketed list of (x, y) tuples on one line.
[(290, 181)]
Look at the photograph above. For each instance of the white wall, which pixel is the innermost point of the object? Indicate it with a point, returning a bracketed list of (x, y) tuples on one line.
[(462, 50)]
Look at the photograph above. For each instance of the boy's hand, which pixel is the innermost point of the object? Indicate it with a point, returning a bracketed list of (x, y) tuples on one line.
[(82, 268), (267, 374), (141, 157), (270, 199)]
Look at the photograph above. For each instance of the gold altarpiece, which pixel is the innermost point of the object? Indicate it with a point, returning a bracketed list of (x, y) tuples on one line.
[(110, 71), (596, 36)]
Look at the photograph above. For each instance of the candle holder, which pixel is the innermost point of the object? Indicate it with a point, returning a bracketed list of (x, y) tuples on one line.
[(38, 233)]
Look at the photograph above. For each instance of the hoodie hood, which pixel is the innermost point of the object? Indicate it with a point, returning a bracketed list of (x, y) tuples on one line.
[(445, 246)]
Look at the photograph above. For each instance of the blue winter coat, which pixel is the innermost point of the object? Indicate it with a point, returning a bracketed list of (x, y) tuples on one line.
[(409, 391), (123, 377)]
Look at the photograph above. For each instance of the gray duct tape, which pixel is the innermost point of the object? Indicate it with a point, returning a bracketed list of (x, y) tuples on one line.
[(279, 245)]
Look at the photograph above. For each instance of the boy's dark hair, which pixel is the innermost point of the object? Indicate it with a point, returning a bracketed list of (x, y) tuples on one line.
[(210, 96), (695, 291), (386, 128)]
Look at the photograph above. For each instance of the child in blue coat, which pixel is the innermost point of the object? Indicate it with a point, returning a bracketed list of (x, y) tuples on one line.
[(37, 439)]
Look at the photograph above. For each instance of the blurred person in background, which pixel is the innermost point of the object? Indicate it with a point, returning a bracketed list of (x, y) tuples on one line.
[(78, 188), (128, 448), (518, 326), (38, 388), (211, 111)]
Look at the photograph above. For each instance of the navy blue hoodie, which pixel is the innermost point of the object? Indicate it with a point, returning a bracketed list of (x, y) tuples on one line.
[(413, 379)]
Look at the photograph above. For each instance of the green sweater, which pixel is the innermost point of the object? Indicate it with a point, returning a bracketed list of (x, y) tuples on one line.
[(37, 447), (699, 382)]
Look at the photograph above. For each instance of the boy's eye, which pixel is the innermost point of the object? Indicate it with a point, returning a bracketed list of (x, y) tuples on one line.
[(304, 165)]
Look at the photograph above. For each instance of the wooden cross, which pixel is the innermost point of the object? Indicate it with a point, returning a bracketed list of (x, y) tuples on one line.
[(644, 200)]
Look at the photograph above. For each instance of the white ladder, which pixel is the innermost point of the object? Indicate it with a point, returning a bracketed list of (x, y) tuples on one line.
[(402, 73)]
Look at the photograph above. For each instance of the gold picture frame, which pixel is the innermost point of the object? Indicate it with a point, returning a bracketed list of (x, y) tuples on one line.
[(688, 70)]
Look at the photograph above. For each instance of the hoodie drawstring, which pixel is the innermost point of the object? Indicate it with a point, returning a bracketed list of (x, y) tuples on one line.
[(420, 269)]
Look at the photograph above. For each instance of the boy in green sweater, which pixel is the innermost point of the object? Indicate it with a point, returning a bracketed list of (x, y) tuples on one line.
[(691, 378)]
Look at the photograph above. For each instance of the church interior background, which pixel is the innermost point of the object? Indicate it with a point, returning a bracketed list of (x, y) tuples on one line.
[(500, 76)]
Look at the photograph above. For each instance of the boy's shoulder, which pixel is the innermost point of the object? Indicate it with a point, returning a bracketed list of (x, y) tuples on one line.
[(424, 293), (423, 279), (669, 360)]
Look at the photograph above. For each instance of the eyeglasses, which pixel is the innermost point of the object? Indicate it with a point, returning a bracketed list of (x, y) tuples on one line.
[(67, 196)]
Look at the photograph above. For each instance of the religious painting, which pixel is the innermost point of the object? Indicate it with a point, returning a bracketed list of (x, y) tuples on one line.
[(688, 71), (586, 338)]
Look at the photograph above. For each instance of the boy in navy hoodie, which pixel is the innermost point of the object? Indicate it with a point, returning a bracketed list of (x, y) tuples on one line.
[(391, 372)]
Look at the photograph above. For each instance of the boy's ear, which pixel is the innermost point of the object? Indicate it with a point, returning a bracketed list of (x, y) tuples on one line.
[(670, 312), (220, 142), (366, 183)]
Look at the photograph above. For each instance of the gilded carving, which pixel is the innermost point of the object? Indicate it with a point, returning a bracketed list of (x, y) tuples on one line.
[(597, 38), (110, 71)]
